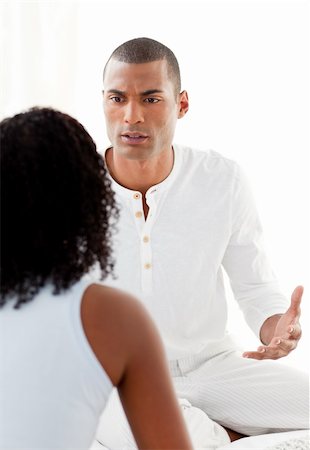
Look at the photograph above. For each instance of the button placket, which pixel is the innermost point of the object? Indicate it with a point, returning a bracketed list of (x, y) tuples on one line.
[(137, 206), (146, 258), (144, 231), (146, 247)]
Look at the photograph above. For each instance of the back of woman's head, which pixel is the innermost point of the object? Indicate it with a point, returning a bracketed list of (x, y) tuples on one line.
[(57, 206)]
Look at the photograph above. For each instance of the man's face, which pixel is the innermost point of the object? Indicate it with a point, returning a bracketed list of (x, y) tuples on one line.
[(141, 108)]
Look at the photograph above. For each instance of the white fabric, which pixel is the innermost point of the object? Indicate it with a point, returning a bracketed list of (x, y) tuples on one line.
[(302, 443), (292, 444), (204, 432), (249, 396), (52, 387), (290, 440), (114, 432), (201, 218), (245, 395)]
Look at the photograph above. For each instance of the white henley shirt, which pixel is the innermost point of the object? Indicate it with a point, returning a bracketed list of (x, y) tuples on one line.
[(202, 219)]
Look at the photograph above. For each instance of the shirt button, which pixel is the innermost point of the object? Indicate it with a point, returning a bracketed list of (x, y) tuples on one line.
[(147, 266), (146, 239), (138, 214), (136, 195)]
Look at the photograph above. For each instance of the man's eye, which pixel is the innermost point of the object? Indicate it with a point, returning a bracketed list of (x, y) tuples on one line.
[(116, 99), (151, 100)]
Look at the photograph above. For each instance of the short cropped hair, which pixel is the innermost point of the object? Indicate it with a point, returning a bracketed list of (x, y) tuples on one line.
[(57, 205), (143, 50)]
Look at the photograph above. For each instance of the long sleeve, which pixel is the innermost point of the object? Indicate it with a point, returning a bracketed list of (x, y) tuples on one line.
[(253, 282)]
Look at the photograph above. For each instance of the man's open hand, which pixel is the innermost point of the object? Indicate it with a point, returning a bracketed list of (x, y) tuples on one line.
[(285, 331)]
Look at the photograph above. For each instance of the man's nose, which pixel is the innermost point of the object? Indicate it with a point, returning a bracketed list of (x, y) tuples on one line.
[(133, 113)]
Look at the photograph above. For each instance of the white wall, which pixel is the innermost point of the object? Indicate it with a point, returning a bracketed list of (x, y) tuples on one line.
[(245, 65)]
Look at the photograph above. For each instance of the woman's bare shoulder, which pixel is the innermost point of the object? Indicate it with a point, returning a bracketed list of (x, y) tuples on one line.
[(113, 323), (105, 302)]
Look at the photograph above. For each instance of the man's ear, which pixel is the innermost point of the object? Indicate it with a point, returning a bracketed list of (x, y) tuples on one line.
[(183, 102)]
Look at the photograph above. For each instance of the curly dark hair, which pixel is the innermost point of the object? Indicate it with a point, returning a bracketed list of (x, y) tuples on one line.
[(58, 208)]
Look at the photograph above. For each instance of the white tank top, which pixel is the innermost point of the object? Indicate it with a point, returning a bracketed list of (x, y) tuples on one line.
[(52, 387)]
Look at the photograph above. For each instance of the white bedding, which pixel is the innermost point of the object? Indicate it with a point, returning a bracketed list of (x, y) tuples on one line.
[(289, 440)]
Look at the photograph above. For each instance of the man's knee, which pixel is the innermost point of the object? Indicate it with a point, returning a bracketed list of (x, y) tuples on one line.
[(114, 431)]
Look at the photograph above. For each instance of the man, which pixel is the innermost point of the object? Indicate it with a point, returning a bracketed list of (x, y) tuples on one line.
[(185, 216)]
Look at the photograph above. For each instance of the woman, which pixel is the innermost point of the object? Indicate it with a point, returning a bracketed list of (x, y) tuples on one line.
[(65, 341)]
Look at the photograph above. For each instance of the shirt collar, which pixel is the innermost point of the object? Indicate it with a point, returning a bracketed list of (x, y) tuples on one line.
[(158, 188)]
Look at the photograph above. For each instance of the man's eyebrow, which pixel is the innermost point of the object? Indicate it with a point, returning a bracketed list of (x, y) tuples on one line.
[(123, 93), (152, 91), (115, 91)]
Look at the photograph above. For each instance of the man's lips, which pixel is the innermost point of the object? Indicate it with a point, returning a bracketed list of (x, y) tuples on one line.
[(133, 137), (134, 134)]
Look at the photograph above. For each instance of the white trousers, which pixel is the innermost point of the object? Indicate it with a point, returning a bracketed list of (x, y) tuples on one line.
[(249, 396), (114, 432)]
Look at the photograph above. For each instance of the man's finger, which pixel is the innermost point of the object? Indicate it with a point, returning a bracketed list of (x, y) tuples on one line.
[(296, 296), (294, 331), (296, 300), (253, 355), (274, 352), (286, 345)]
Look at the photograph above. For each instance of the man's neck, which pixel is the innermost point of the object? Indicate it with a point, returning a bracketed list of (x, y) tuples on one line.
[(139, 175)]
